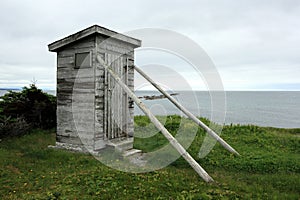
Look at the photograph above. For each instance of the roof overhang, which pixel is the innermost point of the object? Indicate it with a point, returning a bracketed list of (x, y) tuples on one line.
[(95, 29)]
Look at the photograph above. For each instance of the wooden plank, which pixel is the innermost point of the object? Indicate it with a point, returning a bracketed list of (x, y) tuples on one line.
[(65, 118), (64, 102), (66, 88), (85, 126), (126, 106), (90, 32), (109, 132), (68, 60), (113, 100), (85, 44), (202, 173), (111, 108), (71, 83), (121, 95), (84, 98), (119, 98), (188, 113), (131, 86), (62, 90), (87, 141), (71, 87), (99, 96), (77, 80), (98, 129), (105, 101), (86, 85), (68, 66), (120, 38), (66, 53), (74, 73), (114, 48)]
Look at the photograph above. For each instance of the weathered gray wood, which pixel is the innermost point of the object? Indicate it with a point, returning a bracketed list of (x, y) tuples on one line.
[(114, 46), (82, 99), (69, 91), (71, 50), (109, 102), (113, 51), (74, 73), (130, 84), (65, 61), (87, 88), (125, 96), (105, 101), (116, 98), (68, 139), (121, 105), (77, 80), (98, 125), (88, 142), (188, 113), (55, 46), (84, 44), (159, 126)]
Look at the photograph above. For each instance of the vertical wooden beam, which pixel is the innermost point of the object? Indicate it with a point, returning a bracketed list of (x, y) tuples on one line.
[(105, 102), (202, 173), (126, 106), (120, 95), (109, 123), (188, 113)]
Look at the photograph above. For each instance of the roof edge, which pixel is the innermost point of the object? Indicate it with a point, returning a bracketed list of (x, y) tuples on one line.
[(95, 29)]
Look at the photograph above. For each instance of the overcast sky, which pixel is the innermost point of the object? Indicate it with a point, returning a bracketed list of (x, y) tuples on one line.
[(254, 44)]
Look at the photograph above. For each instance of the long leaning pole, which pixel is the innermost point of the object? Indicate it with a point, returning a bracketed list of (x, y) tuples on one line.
[(202, 173), (188, 113)]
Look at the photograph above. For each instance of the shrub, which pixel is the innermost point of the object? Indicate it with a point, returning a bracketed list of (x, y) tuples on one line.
[(13, 127), (31, 106)]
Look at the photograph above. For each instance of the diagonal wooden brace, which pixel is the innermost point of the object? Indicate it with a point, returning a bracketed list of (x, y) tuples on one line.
[(188, 113), (202, 173)]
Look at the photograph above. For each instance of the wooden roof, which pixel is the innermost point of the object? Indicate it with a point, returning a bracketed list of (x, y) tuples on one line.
[(95, 29)]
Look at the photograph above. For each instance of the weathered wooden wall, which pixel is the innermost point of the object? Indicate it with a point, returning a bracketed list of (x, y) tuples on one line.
[(75, 95), (91, 108)]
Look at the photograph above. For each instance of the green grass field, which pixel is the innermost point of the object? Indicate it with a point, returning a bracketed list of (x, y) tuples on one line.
[(268, 168)]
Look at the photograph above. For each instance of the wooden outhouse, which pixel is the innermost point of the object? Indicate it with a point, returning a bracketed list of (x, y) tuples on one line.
[(92, 109)]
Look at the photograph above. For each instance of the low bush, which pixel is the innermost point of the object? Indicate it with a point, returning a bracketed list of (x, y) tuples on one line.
[(13, 127), (29, 108)]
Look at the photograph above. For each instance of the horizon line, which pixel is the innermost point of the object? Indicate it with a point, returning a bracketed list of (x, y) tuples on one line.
[(232, 90)]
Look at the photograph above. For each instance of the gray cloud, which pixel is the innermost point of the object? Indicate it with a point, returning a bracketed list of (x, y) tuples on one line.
[(254, 44)]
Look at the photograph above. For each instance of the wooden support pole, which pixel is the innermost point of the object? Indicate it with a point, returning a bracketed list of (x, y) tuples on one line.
[(202, 173), (188, 113)]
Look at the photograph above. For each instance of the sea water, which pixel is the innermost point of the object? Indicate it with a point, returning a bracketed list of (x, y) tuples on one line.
[(263, 108)]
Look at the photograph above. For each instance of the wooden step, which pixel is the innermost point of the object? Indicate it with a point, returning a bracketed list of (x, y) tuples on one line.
[(121, 144)]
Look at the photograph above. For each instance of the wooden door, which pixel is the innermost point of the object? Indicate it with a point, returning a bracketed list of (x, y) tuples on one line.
[(116, 112)]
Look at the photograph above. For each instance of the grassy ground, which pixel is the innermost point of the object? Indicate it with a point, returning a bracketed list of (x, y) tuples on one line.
[(268, 168)]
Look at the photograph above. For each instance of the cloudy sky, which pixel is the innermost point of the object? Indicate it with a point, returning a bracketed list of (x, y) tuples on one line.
[(254, 44)]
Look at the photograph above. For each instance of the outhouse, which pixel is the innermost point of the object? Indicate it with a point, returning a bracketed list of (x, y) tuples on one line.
[(92, 109)]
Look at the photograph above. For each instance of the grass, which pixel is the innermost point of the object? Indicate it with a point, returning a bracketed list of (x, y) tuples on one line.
[(268, 168)]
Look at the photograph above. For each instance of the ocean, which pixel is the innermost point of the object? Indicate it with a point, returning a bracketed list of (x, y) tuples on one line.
[(263, 108), (271, 108)]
